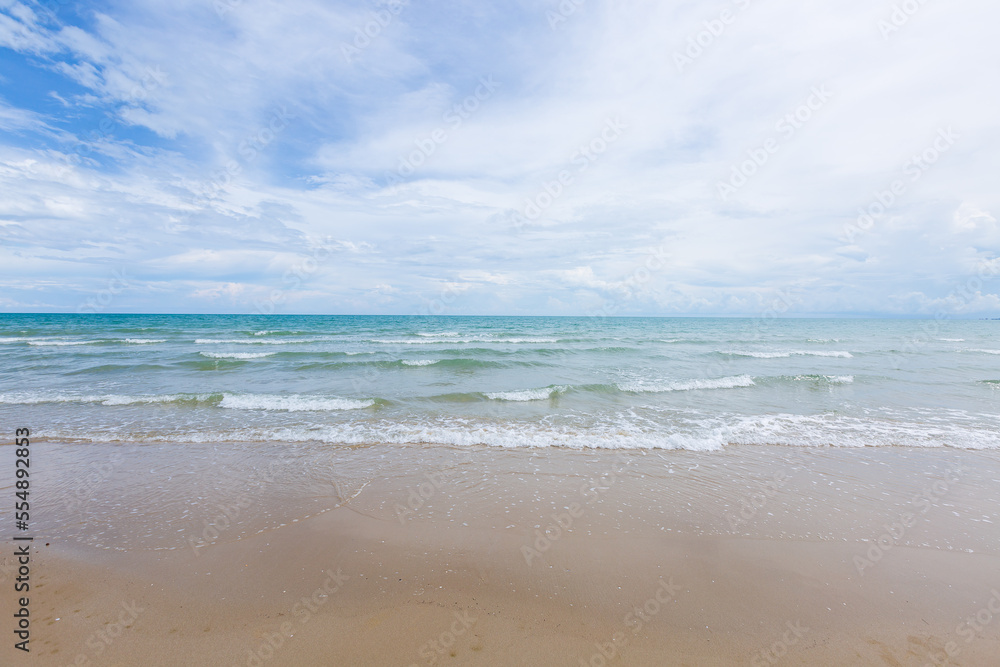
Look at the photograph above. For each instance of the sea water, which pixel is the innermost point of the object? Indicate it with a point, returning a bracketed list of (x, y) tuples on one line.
[(526, 382)]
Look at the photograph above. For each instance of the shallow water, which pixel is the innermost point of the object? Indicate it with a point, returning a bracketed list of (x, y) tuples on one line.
[(154, 497), (630, 383)]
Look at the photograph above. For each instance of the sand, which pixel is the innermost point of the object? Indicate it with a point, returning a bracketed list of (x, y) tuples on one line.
[(387, 555)]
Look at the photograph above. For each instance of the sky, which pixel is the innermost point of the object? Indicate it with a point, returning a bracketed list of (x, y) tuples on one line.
[(573, 157)]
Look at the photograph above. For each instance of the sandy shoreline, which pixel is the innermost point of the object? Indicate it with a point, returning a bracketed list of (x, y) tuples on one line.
[(424, 556)]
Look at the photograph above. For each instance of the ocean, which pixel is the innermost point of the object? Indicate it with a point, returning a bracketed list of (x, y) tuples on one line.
[(505, 382)]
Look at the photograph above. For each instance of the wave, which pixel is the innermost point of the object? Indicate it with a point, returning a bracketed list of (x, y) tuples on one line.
[(61, 343), (315, 354), (251, 341), (119, 368), (615, 432), (985, 351), (812, 377), (294, 403), (439, 341), (53, 342), (237, 355), (277, 332), (455, 363), (953, 340), (796, 353), (438, 334), (291, 403), (527, 394), (642, 386), (36, 398)]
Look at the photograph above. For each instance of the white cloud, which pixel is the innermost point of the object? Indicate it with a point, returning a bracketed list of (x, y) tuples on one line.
[(196, 181)]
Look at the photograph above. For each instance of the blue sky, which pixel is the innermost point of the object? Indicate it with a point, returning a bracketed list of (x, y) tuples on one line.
[(563, 158)]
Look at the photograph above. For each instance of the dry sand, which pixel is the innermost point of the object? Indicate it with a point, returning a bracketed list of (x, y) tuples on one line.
[(417, 556)]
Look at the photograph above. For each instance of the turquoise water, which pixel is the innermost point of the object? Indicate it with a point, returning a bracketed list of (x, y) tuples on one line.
[(508, 382)]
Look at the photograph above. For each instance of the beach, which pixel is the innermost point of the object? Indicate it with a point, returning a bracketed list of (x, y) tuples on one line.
[(244, 490), (751, 555), (527, 334)]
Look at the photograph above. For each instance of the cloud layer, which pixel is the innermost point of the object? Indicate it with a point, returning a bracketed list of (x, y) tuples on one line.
[(573, 157)]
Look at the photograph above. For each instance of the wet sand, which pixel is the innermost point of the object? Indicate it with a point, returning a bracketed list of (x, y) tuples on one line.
[(384, 555)]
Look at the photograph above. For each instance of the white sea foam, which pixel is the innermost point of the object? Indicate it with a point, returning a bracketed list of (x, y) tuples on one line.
[(797, 353), (251, 341), (61, 343), (137, 400), (293, 403), (36, 398), (526, 394), (438, 334), (840, 379), (643, 386), (419, 362), (986, 351), (237, 355), (623, 432), (438, 341), (953, 340), (143, 341)]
